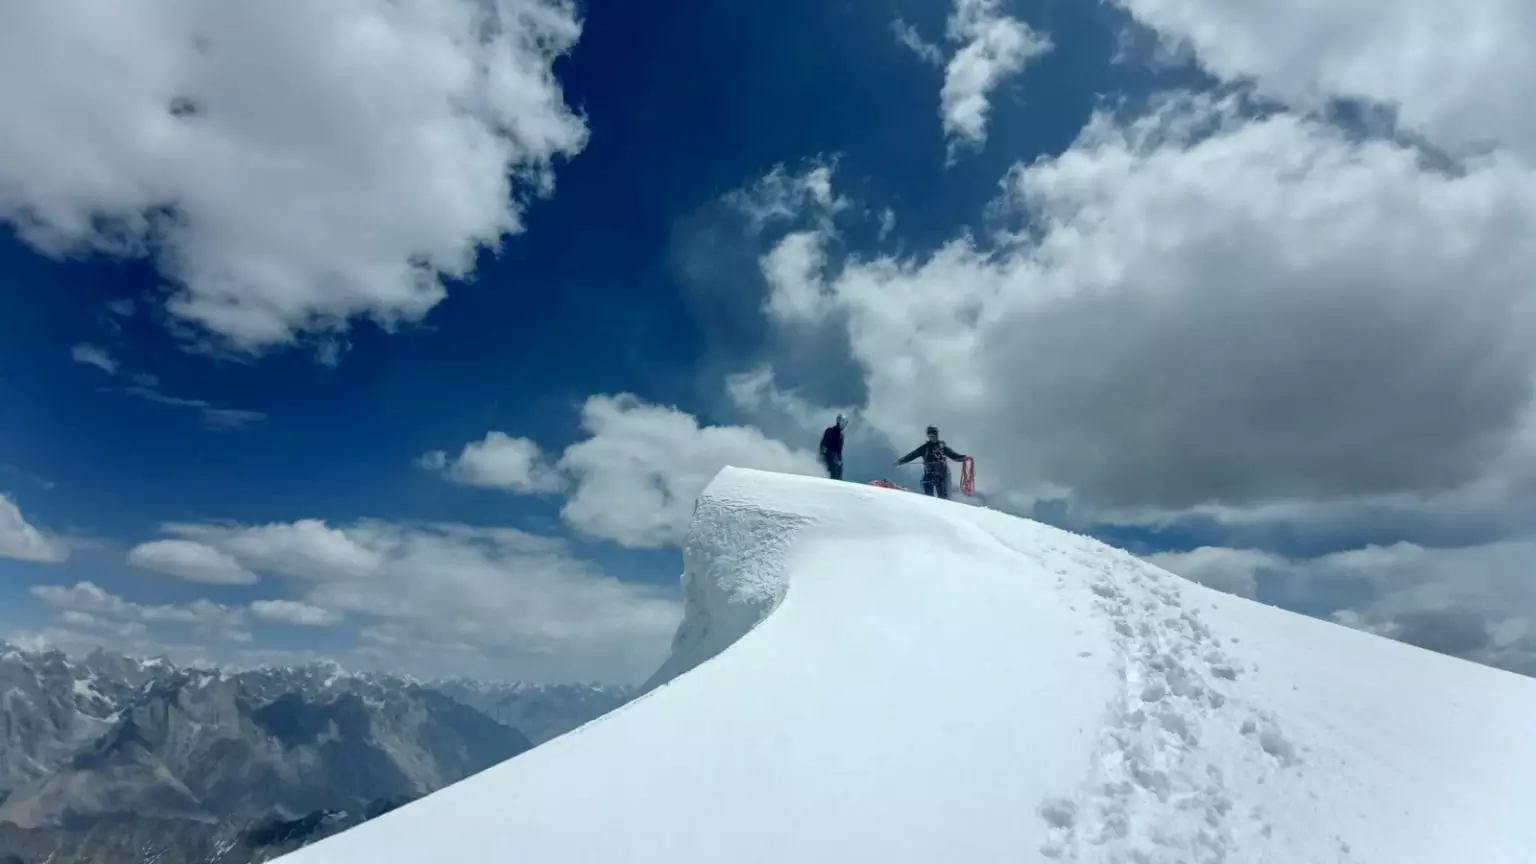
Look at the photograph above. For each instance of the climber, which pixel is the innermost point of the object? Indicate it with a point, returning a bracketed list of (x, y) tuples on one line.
[(832, 448), (935, 466)]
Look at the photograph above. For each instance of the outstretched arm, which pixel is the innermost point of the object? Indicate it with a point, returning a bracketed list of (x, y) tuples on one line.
[(950, 452), (910, 456)]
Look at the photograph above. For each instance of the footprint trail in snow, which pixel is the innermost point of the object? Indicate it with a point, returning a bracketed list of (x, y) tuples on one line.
[(1159, 793)]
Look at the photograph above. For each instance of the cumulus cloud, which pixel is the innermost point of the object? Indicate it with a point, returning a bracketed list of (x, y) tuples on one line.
[(757, 394), (92, 355), (131, 639), (642, 466), (1475, 602), (1453, 72), (1234, 571), (783, 195), (86, 603), (1208, 308), (793, 272), (288, 167), (499, 461), (635, 476), (293, 612), (106, 628), (994, 48), (191, 561), (20, 540), (508, 603), (78, 634), (307, 548)]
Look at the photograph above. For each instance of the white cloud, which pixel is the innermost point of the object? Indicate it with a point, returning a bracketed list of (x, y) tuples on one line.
[(907, 35), (793, 270), (781, 196), (1476, 602), (191, 561), (307, 548), (642, 466), (146, 386), (83, 633), (292, 612), (88, 603), (1455, 72), (20, 540), (92, 355), (499, 461), (214, 416), (130, 639), (756, 393), (634, 478), (516, 605), (1209, 309), (995, 47), (1234, 571), (83, 597), (106, 629), (288, 166)]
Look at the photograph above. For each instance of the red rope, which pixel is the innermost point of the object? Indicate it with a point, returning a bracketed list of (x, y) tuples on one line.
[(968, 476)]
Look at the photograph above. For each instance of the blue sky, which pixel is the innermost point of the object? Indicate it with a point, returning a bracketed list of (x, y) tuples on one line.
[(1235, 340)]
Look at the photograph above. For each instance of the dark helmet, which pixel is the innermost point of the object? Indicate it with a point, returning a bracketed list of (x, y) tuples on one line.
[(933, 431)]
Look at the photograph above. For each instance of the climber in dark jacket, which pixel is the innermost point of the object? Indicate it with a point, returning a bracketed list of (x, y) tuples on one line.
[(935, 465), (832, 448)]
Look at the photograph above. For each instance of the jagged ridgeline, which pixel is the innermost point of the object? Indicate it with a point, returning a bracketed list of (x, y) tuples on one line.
[(114, 759)]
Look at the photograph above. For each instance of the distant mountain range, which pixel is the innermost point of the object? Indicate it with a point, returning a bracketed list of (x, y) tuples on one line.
[(539, 711), (118, 760)]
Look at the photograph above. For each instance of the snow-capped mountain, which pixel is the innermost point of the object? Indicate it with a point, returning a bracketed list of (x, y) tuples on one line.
[(540, 711), (204, 745), (50, 706), (110, 758), (869, 675)]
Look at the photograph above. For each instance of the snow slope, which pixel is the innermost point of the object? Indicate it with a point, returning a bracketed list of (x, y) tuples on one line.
[(866, 675)]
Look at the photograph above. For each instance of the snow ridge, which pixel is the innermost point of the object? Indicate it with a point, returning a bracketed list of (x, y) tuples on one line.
[(1159, 791), (870, 675), (733, 575), (1152, 797)]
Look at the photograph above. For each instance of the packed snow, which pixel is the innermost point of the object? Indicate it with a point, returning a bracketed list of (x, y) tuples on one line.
[(867, 675)]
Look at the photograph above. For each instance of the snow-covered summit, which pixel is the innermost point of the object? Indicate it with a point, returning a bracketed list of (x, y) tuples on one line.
[(868, 675)]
